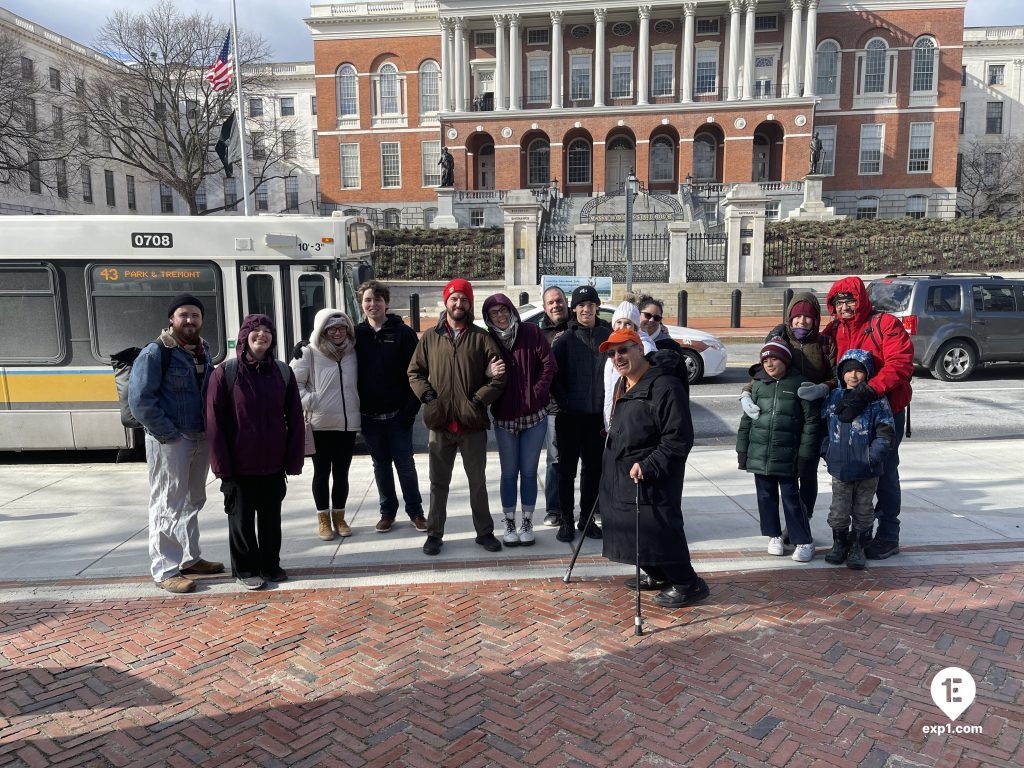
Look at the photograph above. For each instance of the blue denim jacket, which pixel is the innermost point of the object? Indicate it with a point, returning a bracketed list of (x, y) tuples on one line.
[(168, 405)]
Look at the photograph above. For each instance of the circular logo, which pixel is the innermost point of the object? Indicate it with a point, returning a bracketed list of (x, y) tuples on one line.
[(800, 120), (452, 133), (506, 132), (740, 123)]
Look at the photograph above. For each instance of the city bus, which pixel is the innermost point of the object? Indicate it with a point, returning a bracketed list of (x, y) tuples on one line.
[(75, 289)]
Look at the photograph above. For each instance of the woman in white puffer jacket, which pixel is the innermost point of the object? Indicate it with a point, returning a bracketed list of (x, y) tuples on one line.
[(326, 375), (627, 315)]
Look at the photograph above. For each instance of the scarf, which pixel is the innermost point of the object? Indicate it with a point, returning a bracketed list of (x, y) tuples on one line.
[(508, 336)]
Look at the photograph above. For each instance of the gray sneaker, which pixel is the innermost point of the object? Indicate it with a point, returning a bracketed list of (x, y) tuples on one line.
[(252, 582), (552, 519)]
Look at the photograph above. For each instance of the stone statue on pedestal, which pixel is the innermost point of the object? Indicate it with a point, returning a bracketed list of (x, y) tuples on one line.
[(816, 154), (447, 163)]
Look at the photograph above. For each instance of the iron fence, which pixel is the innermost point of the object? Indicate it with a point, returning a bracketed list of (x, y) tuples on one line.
[(785, 256), (556, 255), (423, 261), (705, 258), (650, 257)]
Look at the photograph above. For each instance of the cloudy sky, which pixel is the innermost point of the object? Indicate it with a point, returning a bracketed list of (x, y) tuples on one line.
[(280, 21)]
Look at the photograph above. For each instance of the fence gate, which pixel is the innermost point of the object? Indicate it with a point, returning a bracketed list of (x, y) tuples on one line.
[(650, 257), (705, 258), (556, 255)]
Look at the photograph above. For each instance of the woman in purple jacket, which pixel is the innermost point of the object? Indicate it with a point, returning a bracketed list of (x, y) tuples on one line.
[(520, 414), (256, 434)]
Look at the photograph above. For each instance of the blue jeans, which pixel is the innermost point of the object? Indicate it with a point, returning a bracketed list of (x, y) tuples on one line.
[(551, 475), (769, 488), (888, 496), (519, 456), (390, 444)]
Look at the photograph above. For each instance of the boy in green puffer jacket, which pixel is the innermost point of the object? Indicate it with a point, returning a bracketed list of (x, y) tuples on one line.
[(777, 446)]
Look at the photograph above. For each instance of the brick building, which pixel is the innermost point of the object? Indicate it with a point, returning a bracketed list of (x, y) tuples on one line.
[(577, 94)]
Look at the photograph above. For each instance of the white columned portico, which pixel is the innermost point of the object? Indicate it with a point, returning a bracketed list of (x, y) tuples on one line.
[(446, 63), (810, 47), (515, 64), (644, 55), (686, 67), (459, 91), (748, 51), (501, 65), (795, 59), (556, 58), (600, 14), (734, 48)]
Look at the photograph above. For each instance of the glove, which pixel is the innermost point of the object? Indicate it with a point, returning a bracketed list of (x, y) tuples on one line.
[(809, 391), (741, 459), (803, 466), (749, 407), (429, 397), (297, 350), (854, 401)]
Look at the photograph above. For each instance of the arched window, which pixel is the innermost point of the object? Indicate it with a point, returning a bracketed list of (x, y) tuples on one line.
[(827, 79), (704, 150), (430, 80), (348, 92), (917, 207), (388, 101), (538, 163), (875, 66), (392, 218), (578, 162), (663, 159), (923, 78)]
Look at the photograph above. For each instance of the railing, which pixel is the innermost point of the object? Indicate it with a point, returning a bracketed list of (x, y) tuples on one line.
[(781, 186), (481, 195), (650, 257), (556, 255), (705, 258), (785, 257)]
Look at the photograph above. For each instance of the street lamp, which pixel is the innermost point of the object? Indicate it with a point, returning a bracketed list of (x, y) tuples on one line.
[(632, 185)]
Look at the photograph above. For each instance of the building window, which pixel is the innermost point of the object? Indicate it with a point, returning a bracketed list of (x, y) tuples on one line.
[(388, 100), (992, 169), (994, 117), (580, 31), (107, 144), (963, 75), (827, 135), (875, 66), (771, 210), (705, 149), (262, 199), (867, 208), (996, 74), (201, 201), (349, 166), (537, 87), (578, 162), (484, 38), (312, 105), (259, 149), (79, 87), (230, 195), (917, 207), (316, 145), (538, 163), (57, 116), (129, 181), (287, 106), (61, 172), (707, 71), (390, 164), (963, 116), (27, 68), (288, 144), (871, 148), (707, 26), (537, 36), (663, 73), (29, 115), (579, 77), (923, 78), (622, 75), (167, 196), (663, 159), (663, 26), (919, 158), (348, 92), (827, 68), (108, 186), (766, 22), (316, 186), (32, 165), (291, 193), (622, 29), (476, 217), (125, 106), (255, 107), (430, 87), (86, 185), (54, 79), (430, 156)]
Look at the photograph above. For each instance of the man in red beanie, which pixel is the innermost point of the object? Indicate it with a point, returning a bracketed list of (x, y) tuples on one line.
[(449, 374)]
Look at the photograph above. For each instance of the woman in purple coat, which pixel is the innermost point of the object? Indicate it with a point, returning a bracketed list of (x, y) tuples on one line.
[(256, 434), (520, 414)]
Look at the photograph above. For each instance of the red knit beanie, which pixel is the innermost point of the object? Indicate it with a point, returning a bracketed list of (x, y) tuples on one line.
[(459, 285), (804, 308)]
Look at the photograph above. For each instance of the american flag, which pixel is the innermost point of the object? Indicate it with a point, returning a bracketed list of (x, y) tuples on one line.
[(221, 71)]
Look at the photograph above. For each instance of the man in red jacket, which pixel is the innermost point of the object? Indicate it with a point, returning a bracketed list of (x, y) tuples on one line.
[(857, 326)]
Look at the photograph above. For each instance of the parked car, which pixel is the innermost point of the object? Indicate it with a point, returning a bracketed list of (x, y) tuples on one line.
[(705, 355), (957, 321)]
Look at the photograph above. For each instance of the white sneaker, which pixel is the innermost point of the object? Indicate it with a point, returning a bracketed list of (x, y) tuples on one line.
[(511, 538), (803, 553), (775, 546), (526, 537)]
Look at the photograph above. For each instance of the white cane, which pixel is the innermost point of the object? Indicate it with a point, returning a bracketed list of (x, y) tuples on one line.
[(638, 621)]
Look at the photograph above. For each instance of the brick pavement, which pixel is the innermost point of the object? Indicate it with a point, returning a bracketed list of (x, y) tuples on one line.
[(791, 668)]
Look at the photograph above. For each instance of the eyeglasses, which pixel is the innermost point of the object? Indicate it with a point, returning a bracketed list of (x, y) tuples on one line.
[(845, 303), (650, 316), (619, 351), (337, 329)]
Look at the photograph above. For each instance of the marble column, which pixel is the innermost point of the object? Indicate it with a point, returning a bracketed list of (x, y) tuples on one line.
[(600, 14), (810, 47), (748, 50), (556, 59), (734, 49), (515, 64), (446, 63), (501, 62), (686, 66), (459, 90), (795, 37), (644, 56)]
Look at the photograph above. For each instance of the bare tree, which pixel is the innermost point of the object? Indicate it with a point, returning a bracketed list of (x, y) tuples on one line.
[(152, 107), (989, 178)]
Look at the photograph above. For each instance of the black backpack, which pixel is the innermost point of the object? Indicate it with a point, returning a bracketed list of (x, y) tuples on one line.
[(122, 363)]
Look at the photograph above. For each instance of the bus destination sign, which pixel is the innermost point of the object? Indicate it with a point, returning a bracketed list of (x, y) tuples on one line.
[(152, 277), (152, 240)]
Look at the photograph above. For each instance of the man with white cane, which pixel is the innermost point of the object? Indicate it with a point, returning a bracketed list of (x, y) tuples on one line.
[(649, 438)]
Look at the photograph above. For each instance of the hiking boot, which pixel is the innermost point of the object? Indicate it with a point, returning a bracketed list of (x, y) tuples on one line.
[(879, 549), (251, 582), (275, 574), (511, 537), (323, 526), (384, 525), (775, 546), (552, 519), (202, 568), (432, 546), (526, 537), (338, 519), (420, 522), (857, 559), (803, 553), (179, 585), (680, 597), (840, 546), (488, 542), (566, 530)]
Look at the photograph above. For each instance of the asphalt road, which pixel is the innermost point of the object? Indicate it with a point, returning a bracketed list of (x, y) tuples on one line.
[(990, 404)]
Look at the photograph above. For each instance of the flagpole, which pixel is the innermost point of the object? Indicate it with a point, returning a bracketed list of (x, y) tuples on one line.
[(240, 115)]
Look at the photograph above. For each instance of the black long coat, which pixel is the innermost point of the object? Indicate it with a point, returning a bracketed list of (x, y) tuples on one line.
[(650, 425)]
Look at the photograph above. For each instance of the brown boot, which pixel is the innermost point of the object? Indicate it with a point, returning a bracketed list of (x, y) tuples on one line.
[(323, 526), (338, 517)]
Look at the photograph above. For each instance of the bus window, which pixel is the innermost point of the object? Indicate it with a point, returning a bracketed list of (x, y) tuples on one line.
[(29, 314), (259, 290), (128, 303), (312, 298), (360, 238)]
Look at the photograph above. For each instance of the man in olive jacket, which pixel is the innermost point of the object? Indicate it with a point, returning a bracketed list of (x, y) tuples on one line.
[(449, 374)]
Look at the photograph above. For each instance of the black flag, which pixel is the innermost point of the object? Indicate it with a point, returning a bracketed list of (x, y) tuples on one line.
[(227, 146)]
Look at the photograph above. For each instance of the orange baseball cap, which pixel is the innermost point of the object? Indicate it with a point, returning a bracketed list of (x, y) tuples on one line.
[(621, 337)]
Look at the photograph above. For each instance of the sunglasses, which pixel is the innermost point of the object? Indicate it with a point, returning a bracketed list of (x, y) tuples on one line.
[(649, 316), (619, 351)]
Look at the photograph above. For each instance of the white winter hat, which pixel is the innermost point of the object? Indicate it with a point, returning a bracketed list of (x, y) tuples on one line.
[(627, 311)]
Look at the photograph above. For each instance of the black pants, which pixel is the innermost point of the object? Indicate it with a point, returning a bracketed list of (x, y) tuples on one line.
[(331, 463), (579, 437), (251, 503)]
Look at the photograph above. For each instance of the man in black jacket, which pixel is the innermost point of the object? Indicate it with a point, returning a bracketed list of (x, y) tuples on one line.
[(553, 323), (579, 392), (384, 347)]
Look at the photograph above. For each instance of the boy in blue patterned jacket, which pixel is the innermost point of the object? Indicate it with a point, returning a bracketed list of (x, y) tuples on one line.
[(854, 448)]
